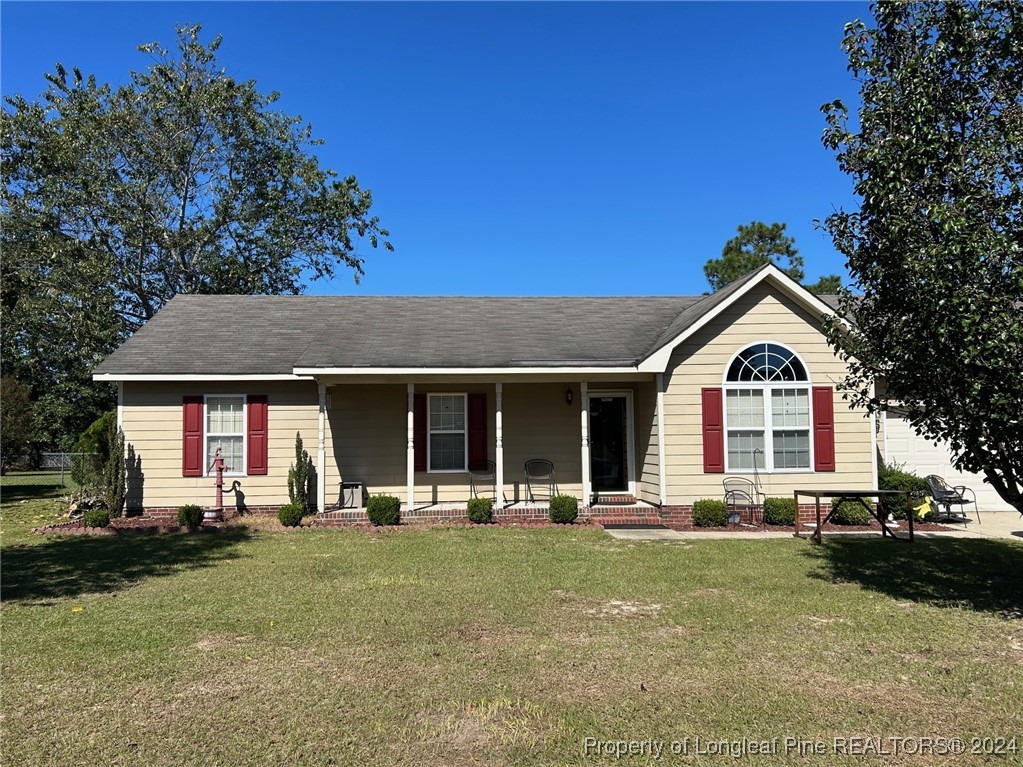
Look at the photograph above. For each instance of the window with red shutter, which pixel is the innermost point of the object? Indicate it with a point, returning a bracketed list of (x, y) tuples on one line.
[(823, 428), (713, 432), (192, 436), (477, 431), (258, 442)]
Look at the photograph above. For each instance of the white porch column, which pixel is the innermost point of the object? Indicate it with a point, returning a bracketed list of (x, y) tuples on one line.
[(584, 424), (410, 469), (321, 453), (662, 479), (499, 443)]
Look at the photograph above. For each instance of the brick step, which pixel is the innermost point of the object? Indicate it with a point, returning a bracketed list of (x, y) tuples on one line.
[(605, 499)]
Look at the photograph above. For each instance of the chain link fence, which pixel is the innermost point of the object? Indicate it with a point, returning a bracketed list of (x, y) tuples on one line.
[(55, 470)]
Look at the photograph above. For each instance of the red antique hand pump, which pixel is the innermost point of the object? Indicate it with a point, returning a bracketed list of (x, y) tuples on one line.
[(218, 466)]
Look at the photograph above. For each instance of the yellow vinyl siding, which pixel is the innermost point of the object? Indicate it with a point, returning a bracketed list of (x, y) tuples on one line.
[(647, 471), (765, 314), (152, 423)]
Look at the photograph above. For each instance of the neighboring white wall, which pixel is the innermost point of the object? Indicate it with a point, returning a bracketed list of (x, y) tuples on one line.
[(766, 313)]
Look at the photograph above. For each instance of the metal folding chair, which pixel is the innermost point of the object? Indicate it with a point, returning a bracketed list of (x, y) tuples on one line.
[(948, 496), (540, 472)]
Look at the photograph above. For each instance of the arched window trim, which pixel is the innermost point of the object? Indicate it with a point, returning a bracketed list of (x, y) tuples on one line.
[(745, 384), (767, 464)]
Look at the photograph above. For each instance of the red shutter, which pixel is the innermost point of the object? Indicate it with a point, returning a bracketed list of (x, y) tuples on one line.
[(823, 429), (257, 437), (191, 441), (419, 431), (713, 432), (477, 431)]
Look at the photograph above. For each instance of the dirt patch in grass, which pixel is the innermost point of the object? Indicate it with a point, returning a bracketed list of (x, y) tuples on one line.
[(480, 726), (619, 608)]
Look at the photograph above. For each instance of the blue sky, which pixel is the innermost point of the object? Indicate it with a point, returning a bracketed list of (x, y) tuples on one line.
[(522, 148)]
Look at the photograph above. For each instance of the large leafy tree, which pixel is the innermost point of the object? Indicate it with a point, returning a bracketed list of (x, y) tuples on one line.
[(182, 180), (936, 246), (755, 244)]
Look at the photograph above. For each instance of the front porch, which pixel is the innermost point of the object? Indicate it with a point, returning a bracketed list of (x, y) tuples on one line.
[(600, 435)]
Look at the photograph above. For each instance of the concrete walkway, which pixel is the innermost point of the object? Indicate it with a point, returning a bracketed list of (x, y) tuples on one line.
[(993, 524)]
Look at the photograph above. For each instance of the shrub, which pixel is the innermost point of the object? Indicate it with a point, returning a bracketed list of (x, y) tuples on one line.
[(290, 514), (564, 509), (384, 510), (710, 513), (298, 475), (190, 515), (114, 471), (780, 511), (96, 518), (481, 510), (895, 477), (851, 513), (87, 468)]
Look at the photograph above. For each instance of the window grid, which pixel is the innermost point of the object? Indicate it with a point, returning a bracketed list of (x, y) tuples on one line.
[(447, 433), (767, 415), (225, 428)]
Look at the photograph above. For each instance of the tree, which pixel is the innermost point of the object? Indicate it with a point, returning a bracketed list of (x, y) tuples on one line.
[(936, 246), (182, 180), (828, 285), (756, 244), (15, 420)]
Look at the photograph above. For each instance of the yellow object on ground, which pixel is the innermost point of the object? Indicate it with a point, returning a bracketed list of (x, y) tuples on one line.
[(925, 507)]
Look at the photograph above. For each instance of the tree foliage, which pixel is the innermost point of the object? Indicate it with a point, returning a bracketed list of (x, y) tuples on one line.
[(755, 244), (114, 471), (828, 285), (181, 180), (936, 246), (15, 420)]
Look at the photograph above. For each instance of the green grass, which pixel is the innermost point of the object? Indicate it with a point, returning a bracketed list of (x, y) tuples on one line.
[(493, 646)]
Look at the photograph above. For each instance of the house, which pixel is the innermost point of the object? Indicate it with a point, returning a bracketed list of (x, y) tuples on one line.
[(646, 399)]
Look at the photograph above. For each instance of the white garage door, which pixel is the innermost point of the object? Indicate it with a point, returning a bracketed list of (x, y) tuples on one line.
[(922, 457)]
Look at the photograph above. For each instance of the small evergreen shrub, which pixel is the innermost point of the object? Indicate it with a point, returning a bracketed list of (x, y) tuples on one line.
[(710, 513), (564, 509), (189, 515), (290, 514), (780, 511), (895, 477), (96, 518), (384, 510), (298, 475), (851, 513), (481, 510)]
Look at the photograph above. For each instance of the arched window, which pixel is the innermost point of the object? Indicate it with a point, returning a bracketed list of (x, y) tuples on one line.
[(767, 410)]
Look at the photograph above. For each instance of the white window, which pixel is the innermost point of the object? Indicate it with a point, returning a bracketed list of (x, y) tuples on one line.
[(448, 433), (225, 428), (767, 410)]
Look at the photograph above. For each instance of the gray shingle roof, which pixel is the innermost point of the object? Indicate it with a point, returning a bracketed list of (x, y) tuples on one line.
[(254, 335), (270, 335)]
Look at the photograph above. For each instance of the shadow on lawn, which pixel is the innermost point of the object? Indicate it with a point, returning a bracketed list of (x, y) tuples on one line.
[(73, 565), (984, 575)]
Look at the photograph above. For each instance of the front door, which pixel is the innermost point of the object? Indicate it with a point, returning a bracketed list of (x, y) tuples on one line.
[(609, 453)]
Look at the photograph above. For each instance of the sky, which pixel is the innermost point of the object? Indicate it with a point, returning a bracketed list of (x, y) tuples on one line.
[(521, 148)]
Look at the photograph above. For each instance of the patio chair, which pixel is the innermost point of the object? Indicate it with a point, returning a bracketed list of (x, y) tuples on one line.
[(482, 478), (947, 496), (742, 495), (540, 472)]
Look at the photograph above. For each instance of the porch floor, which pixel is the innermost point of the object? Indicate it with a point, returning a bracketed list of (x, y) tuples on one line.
[(513, 510)]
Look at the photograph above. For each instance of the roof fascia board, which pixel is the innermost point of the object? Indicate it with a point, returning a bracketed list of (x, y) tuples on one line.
[(657, 362), (124, 377), (505, 371)]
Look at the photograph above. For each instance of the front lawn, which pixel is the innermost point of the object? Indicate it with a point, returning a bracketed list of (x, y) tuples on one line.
[(496, 646)]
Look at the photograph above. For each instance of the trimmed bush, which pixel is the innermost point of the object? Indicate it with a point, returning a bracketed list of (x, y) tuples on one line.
[(384, 510), (894, 477), (290, 514), (710, 513), (96, 518), (780, 511), (481, 510), (852, 513), (190, 515), (564, 509)]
